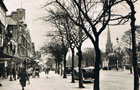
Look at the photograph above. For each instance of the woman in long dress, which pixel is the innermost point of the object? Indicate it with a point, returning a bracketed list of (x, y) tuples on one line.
[(23, 77)]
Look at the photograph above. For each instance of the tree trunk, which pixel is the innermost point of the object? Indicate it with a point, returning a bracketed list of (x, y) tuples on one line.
[(131, 65), (135, 66), (58, 67), (64, 74), (97, 67), (72, 80), (131, 71), (134, 55), (61, 70), (79, 66)]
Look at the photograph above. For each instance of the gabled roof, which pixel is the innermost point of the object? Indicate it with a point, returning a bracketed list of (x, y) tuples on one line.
[(10, 21), (3, 5)]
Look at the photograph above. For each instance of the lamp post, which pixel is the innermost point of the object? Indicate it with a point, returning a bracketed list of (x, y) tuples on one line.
[(117, 66)]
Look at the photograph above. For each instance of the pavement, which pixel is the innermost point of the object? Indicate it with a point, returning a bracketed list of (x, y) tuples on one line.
[(116, 80), (109, 80)]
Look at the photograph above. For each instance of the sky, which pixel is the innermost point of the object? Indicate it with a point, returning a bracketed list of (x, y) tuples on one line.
[(33, 11), (38, 28)]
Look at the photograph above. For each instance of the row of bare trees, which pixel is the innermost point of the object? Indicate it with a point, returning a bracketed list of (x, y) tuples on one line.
[(77, 20)]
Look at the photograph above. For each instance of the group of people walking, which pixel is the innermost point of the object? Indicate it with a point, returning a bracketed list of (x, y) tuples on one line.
[(24, 76), (4, 73)]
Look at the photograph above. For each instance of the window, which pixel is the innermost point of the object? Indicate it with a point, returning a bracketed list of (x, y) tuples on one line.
[(1, 38)]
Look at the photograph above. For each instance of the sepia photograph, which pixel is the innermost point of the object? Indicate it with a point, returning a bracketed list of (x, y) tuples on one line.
[(69, 44)]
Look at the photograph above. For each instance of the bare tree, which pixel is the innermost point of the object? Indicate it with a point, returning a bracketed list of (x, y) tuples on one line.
[(56, 19), (72, 35), (89, 57), (127, 41), (92, 17), (134, 55), (85, 11), (69, 36), (64, 45), (127, 37), (55, 48)]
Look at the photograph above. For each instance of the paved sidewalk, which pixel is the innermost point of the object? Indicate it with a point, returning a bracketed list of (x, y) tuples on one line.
[(53, 82), (110, 80), (116, 80)]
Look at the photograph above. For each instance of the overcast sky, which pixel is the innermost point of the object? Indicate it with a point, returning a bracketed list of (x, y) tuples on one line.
[(33, 12), (38, 28)]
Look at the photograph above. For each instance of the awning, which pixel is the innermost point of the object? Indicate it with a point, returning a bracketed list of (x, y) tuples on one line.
[(2, 55), (17, 59), (6, 57), (28, 59)]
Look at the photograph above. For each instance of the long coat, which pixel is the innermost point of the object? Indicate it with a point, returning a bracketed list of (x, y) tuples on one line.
[(23, 77)]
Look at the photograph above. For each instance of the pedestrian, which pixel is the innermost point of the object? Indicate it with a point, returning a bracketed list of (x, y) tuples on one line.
[(0, 84), (29, 71), (37, 72), (23, 77), (33, 73), (8, 71), (0, 76), (47, 71), (14, 73)]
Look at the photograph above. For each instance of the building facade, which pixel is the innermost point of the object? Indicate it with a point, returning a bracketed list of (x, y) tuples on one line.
[(16, 46), (23, 47), (3, 11)]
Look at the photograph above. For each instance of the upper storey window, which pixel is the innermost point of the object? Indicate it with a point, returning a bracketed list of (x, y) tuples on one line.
[(2, 15)]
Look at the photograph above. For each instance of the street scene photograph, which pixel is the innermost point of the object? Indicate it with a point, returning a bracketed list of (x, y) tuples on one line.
[(69, 44)]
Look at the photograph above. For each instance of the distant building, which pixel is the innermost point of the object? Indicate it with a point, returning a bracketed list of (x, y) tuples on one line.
[(109, 49), (109, 45)]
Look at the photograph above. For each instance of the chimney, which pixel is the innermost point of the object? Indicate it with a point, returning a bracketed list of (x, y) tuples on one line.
[(21, 13), (14, 16)]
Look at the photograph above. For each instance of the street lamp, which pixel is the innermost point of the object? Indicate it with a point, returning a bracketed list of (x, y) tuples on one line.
[(117, 67), (117, 39)]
